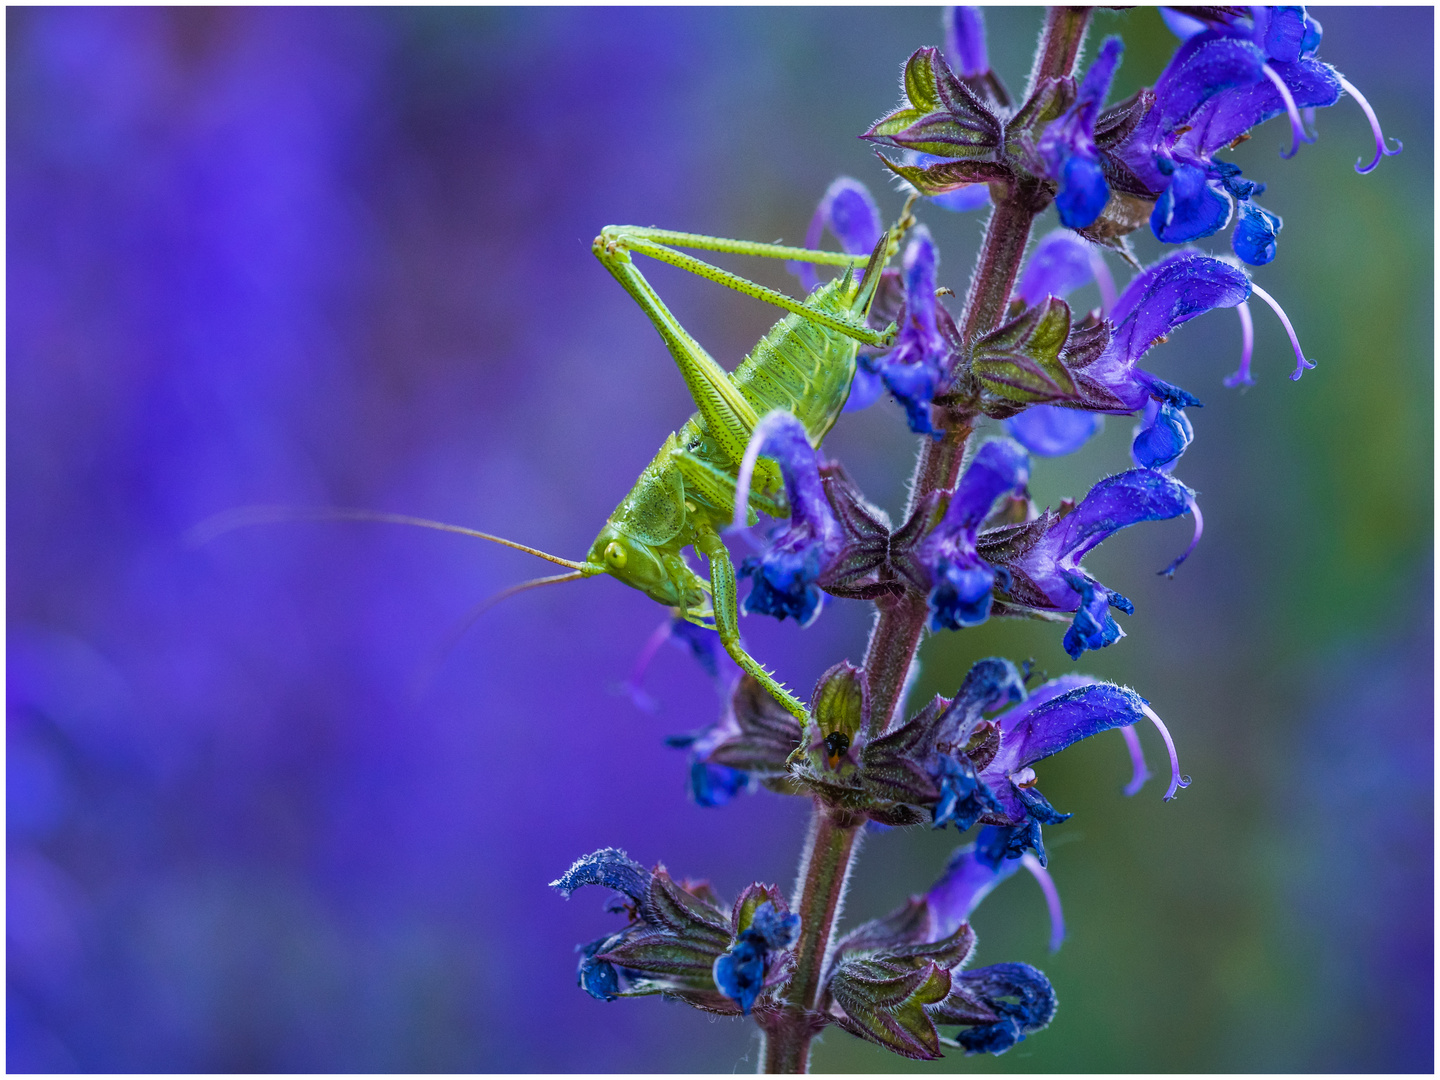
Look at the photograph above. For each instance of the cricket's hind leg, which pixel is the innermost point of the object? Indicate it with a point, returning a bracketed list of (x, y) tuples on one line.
[(729, 417)]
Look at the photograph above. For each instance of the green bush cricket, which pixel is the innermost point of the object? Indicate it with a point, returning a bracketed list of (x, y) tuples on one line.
[(686, 495)]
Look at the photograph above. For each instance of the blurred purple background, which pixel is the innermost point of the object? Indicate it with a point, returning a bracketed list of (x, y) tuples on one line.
[(341, 257)]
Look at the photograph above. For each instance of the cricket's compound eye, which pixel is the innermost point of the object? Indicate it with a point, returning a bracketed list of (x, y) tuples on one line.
[(615, 554)]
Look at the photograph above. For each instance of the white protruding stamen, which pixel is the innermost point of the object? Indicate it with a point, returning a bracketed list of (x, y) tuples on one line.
[(1380, 148), (1242, 376), (642, 700), (1301, 362), (1176, 780), (1103, 280), (1052, 897), (1194, 509), (1297, 129), (1137, 761)]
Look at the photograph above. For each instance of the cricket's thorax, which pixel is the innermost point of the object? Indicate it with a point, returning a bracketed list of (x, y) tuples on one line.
[(640, 543)]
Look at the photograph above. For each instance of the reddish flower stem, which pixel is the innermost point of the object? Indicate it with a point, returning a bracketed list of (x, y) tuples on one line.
[(895, 639)]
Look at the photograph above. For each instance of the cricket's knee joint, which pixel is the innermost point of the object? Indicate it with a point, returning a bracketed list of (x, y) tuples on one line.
[(612, 238)]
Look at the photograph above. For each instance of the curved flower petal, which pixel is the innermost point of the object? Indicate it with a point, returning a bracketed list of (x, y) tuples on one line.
[(848, 211), (610, 867), (1053, 431), (967, 881), (1000, 466), (1204, 65), (965, 41), (784, 575), (1059, 265), (1172, 292), (1254, 239), (1118, 502), (1020, 994), (1190, 208), (962, 581), (1161, 437), (1064, 720)]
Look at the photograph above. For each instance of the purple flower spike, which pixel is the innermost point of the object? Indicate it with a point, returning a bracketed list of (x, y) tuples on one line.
[(1380, 148), (784, 575), (849, 212), (1242, 376), (1060, 264), (962, 581), (1141, 771), (1300, 362), (1053, 431), (965, 41)]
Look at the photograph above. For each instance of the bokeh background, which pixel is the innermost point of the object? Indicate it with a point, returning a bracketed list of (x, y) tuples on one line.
[(341, 257)]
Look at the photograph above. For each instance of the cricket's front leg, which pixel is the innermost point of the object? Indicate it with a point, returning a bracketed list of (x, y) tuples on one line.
[(727, 622)]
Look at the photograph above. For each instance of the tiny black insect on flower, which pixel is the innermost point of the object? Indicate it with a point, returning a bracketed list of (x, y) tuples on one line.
[(836, 744)]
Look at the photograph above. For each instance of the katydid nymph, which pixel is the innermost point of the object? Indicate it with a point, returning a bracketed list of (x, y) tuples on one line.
[(686, 496)]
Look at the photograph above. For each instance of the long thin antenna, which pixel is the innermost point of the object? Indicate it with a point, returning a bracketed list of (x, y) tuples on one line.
[(241, 517), (461, 625)]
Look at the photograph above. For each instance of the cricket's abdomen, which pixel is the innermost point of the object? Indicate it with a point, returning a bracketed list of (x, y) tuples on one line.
[(803, 368)]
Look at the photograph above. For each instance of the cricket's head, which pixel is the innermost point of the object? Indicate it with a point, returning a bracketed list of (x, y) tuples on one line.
[(657, 570)]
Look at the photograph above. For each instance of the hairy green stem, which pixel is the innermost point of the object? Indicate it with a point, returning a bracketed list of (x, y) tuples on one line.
[(826, 863), (895, 638), (1059, 43)]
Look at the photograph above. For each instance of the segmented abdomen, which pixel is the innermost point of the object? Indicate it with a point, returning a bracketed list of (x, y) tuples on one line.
[(803, 368)]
